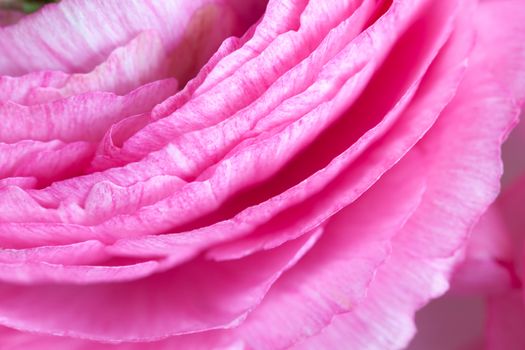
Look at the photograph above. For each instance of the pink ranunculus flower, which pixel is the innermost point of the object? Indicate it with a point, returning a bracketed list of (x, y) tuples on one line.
[(235, 174)]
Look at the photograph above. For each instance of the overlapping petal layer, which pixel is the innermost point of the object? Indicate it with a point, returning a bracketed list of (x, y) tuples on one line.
[(312, 184)]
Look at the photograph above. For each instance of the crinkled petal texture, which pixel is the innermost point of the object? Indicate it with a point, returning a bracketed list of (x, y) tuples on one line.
[(227, 174)]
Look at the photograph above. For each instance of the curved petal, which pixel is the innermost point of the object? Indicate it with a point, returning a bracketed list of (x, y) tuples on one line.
[(260, 85), (370, 164), (75, 254), (426, 250), (209, 194), (335, 275), (194, 297)]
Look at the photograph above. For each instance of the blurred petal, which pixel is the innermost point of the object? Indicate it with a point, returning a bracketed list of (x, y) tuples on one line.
[(506, 317), (451, 323), (8, 17), (501, 27)]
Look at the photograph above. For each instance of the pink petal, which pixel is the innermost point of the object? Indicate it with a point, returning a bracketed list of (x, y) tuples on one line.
[(80, 253), (83, 117), (18, 89), (208, 194), (356, 179), (427, 248), (362, 244), (125, 69), (260, 83), (34, 273), (501, 24), (46, 161), (488, 265), (335, 275), (193, 297)]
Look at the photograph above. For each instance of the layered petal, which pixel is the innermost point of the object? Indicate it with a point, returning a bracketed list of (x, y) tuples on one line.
[(506, 316), (426, 250), (198, 296)]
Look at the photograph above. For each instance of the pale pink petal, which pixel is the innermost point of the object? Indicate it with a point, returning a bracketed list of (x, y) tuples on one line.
[(488, 266), (493, 255), (18, 89), (125, 69), (77, 40)]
